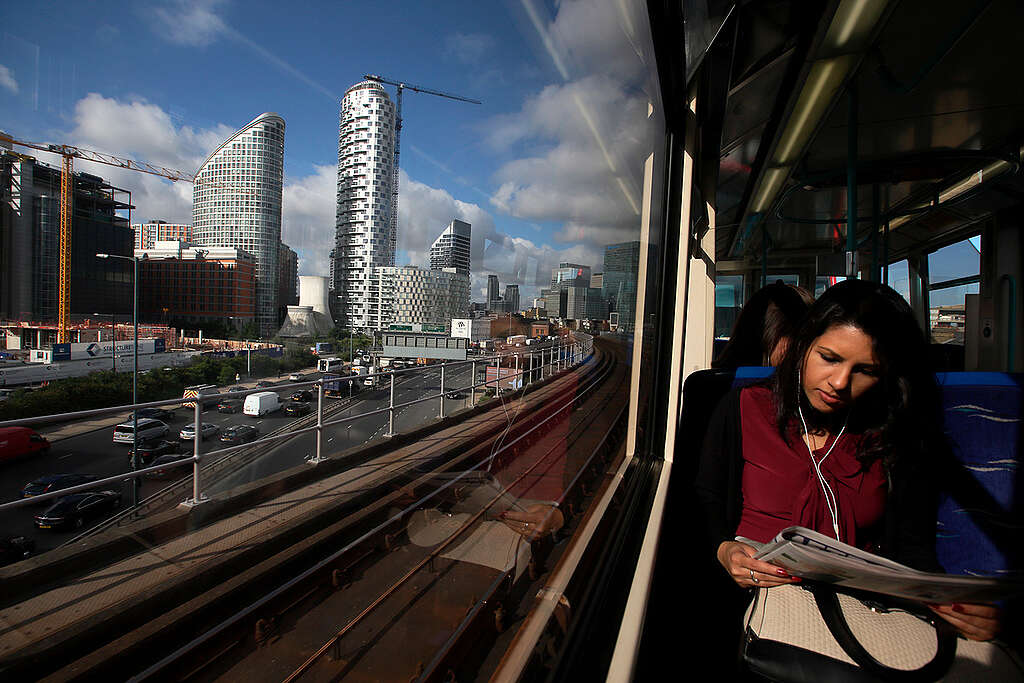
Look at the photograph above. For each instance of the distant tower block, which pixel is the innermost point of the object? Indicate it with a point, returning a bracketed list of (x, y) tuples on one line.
[(312, 317)]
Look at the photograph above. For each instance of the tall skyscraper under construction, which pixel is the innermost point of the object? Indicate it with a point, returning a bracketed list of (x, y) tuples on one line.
[(364, 234)]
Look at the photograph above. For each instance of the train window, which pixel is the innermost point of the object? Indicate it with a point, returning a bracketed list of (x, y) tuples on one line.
[(899, 278), (954, 272), (728, 301)]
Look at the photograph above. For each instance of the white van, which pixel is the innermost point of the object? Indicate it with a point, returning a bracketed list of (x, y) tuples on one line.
[(261, 403), (148, 429)]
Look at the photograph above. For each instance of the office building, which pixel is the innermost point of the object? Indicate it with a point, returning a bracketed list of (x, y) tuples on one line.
[(365, 234), (148, 234), (621, 266), (185, 283), (451, 248), (287, 279), (410, 295), (30, 243), (493, 298), (511, 298), (570, 275), (236, 202)]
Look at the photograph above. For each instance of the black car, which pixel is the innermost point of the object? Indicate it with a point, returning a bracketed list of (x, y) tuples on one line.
[(237, 388), (15, 548), (154, 414), (302, 395), (172, 471), (149, 452), (455, 395), (296, 408), (229, 405), (55, 482), (72, 511), (239, 434), (264, 384)]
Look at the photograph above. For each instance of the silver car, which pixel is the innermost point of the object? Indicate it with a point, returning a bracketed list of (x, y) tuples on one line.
[(188, 432)]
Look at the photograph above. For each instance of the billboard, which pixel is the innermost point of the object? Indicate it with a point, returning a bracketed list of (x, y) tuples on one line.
[(101, 349), (507, 378), (462, 327)]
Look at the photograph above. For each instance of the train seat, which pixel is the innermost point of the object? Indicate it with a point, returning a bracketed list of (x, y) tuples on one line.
[(980, 509)]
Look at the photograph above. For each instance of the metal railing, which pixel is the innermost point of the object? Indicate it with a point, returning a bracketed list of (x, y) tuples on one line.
[(554, 357)]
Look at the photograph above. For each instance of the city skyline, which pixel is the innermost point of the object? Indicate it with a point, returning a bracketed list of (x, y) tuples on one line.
[(547, 98)]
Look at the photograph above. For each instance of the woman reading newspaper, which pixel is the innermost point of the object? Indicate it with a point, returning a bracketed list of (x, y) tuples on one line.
[(837, 441)]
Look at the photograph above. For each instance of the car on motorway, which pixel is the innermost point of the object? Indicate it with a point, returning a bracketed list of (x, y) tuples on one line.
[(16, 442), (229, 405), (295, 376), (15, 548), (296, 408), (170, 471), (153, 414), (239, 434), (455, 395), (150, 451), (55, 482), (302, 395), (149, 430), (188, 432), (237, 388), (72, 511), (264, 384)]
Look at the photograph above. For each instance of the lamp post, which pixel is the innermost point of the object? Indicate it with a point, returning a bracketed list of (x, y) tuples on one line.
[(135, 368)]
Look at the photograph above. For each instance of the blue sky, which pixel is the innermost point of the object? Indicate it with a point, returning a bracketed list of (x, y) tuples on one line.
[(548, 168)]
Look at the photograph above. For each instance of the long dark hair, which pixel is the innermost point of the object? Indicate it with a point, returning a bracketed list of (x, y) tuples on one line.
[(773, 313), (900, 415)]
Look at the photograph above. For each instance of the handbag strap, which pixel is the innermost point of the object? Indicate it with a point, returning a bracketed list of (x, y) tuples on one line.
[(832, 613)]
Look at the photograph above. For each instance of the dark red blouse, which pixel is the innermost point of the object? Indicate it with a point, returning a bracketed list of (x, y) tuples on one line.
[(781, 489)]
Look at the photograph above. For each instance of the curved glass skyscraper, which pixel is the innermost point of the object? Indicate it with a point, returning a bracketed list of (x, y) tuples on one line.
[(364, 237), (236, 202)]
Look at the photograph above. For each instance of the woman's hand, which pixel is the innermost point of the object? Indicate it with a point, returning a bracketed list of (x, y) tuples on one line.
[(975, 622), (738, 560)]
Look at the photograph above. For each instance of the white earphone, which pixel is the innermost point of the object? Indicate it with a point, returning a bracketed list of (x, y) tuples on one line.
[(830, 497)]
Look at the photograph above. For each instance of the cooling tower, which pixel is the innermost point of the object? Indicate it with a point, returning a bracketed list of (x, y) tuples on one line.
[(313, 293), (312, 317), (303, 321)]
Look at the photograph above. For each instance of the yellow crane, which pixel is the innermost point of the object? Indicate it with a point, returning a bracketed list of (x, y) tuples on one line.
[(68, 153)]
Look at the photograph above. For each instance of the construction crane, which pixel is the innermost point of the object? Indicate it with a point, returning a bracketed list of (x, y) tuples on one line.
[(68, 153), (399, 87)]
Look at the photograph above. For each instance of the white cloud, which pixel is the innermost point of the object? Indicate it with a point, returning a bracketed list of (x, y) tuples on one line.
[(7, 79), (307, 218), (579, 144), (588, 173), (193, 23)]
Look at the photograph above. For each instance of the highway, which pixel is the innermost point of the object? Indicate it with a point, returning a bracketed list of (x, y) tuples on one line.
[(93, 452)]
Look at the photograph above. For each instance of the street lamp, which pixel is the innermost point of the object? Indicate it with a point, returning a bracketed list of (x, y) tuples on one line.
[(135, 371)]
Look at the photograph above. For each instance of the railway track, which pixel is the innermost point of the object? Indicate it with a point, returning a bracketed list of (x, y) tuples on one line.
[(405, 580), (372, 530)]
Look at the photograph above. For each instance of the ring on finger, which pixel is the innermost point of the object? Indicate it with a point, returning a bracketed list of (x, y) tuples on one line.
[(752, 577)]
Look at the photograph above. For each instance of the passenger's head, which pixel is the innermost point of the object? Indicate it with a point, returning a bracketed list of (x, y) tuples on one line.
[(765, 325), (859, 353)]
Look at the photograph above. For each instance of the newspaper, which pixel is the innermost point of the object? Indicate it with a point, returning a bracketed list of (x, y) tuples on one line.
[(814, 556)]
